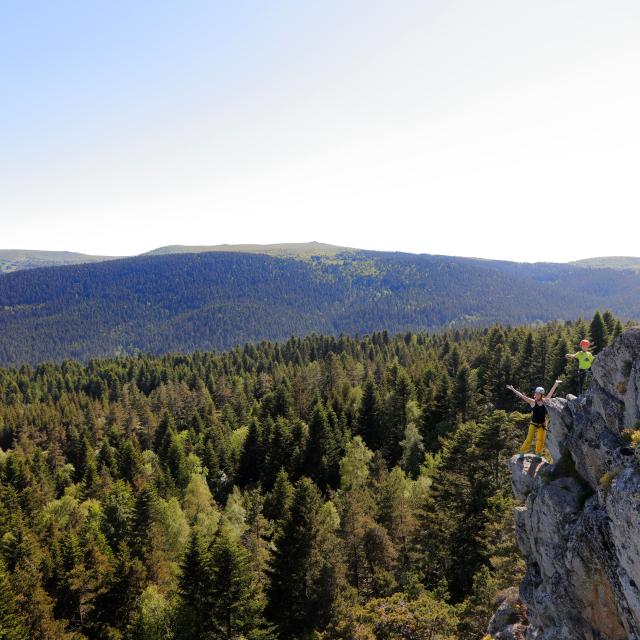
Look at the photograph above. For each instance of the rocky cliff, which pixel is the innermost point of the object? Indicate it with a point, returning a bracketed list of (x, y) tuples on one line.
[(578, 525)]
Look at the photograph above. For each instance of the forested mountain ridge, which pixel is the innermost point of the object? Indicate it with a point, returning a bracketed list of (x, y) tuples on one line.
[(326, 488), (159, 304)]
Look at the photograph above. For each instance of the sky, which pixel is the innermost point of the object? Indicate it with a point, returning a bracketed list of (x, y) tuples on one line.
[(498, 129)]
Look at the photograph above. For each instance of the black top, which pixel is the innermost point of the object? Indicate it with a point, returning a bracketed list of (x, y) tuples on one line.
[(538, 414)]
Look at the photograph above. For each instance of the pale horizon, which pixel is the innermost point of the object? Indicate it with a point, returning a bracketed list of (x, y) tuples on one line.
[(475, 257), (497, 130)]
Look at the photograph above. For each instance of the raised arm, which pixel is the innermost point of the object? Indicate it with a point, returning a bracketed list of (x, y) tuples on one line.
[(571, 355), (529, 401), (552, 390)]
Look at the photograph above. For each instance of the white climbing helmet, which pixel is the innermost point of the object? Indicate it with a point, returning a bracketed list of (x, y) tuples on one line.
[(540, 390)]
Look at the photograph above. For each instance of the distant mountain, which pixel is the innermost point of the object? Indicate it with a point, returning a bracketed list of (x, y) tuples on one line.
[(18, 259), (215, 300), (610, 262), (287, 249)]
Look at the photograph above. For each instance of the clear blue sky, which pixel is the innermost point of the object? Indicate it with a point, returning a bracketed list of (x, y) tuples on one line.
[(501, 129)]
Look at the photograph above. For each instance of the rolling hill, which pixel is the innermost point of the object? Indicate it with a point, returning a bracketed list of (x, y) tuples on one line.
[(284, 250), (610, 262), (19, 259), (215, 300)]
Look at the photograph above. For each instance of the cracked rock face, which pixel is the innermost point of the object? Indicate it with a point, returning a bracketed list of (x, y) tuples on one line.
[(578, 524)]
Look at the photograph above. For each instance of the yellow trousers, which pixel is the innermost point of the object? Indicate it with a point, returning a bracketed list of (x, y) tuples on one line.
[(542, 433)]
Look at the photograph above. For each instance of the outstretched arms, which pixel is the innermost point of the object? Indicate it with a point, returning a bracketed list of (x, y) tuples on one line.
[(552, 390), (529, 401), (571, 355)]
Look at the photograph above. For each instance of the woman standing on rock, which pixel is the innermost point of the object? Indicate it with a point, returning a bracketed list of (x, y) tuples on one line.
[(538, 416)]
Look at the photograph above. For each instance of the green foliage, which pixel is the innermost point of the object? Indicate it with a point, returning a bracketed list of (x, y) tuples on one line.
[(11, 623), (397, 618), (156, 616), (313, 486)]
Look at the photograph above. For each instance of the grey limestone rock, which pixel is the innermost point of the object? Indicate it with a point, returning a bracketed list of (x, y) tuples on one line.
[(509, 621), (578, 523)]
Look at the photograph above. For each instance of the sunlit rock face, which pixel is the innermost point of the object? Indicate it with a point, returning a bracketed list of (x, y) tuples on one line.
[(578, 523)]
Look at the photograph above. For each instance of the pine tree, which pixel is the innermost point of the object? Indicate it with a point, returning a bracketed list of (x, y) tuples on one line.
[(599, 334), (322, 454), (255, 535), (609, 321), (397, 513), (237, 604), (115, 607), (397, 416), (477, 609), (177, 462), (302, 573), (617, 330), (541, 365), (118, 508), (526, 377), (195, 619), (412, 451), (253, 455), (279, 453), (498, 541), (462, 398), (435, 418), (144, 517), (277, 503), (369, 423)]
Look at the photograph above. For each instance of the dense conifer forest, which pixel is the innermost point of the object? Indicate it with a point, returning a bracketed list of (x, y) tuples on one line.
[(326, 488), (182, 303)]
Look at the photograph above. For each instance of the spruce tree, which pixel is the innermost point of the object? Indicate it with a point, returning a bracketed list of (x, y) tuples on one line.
[(302, 579), (194, 618), (369, 423), (397, 416), (177, 462), (463, 396), (412, 451), (118, 509), (277, 503), (322, 454), (599, 334), (237, 604), (436, 417), (253, 454), (143, 519), (526, 378), (279, 453), (609, 321)]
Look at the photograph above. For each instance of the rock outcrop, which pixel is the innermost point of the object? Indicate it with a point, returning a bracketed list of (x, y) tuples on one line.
[(578, 525), (509, 621)]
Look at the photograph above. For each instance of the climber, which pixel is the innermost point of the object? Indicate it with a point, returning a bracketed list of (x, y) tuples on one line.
[(538, 417), (585, 359)]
